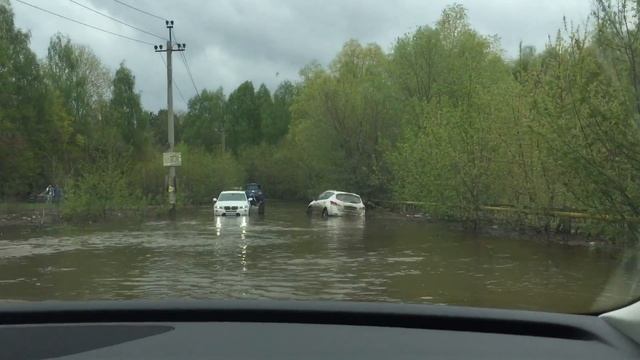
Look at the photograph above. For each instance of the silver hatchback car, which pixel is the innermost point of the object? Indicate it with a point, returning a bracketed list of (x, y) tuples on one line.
[(337, 203)]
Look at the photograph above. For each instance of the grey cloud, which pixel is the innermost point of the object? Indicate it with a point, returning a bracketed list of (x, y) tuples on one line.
[(230, 41)]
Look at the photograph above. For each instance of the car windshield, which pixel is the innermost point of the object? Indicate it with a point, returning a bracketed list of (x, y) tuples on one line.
[(232, 197), (492, 147), (349, 198)]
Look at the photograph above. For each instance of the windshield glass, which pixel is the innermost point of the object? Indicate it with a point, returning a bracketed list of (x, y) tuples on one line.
[(232, 197), (494, 147)]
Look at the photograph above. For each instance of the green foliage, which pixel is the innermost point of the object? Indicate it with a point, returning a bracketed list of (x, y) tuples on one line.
[(452, 152), (204, 122), (276, 126), (442, 119), (587, 117), (148, 176), (80, 78), (102, 189), (27, 124), (342, 118), (157, 128), (243, 123), (204, 174), (125, 110), (80, 86)]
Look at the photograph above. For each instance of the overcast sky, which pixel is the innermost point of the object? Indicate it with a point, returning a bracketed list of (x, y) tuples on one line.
[(268, 41)]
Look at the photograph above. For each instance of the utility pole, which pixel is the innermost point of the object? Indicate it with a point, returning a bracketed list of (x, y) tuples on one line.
[(171, 159)]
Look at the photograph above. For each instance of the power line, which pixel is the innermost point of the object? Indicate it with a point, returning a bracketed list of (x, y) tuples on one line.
[(116, 20), (84, 24), (174, 82), (186, 65), (140, 10)]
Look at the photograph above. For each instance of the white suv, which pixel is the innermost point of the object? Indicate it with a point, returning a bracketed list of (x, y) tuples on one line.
[(233, 203), (337, 203)]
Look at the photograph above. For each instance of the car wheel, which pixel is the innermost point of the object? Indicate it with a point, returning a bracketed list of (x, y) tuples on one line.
[(309, 210), (325, 213)]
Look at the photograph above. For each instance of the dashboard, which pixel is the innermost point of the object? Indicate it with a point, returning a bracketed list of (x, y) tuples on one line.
[(237, 329)]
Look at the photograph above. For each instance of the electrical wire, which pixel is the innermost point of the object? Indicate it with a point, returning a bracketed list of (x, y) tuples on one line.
[(140, 10), (182, 56), (84, 24), (186, 65), (116, 20)]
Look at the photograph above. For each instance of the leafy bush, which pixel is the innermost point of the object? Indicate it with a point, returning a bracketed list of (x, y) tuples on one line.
[(102, 189), (203, 175), (148, 176)]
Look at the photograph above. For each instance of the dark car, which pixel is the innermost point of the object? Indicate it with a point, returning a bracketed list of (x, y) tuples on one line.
[(255, 194)]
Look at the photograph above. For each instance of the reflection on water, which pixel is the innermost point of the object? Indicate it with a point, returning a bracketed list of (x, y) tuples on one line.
[(287, 255)]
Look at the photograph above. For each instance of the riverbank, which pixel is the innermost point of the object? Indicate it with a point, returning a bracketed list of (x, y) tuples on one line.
[(16, 214), (569, 228), (28, 214)]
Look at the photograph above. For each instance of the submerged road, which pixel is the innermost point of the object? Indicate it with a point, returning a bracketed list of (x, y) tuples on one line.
[(287, 255)]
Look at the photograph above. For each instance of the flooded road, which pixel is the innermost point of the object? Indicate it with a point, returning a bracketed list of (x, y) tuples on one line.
[(287, 255)]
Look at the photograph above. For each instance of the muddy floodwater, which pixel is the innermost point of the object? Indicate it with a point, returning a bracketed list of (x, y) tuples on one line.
[(287, 255)]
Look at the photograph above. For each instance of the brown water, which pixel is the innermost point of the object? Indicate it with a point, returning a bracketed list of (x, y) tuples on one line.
[(287, 255)]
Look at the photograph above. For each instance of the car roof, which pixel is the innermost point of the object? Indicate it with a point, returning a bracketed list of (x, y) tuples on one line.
[(232, 192), (341, 192)]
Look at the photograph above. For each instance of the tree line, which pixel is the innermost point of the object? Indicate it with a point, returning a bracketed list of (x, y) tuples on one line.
[(443, 118)]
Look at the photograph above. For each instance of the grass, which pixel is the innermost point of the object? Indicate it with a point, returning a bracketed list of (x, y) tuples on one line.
[(12, 207)]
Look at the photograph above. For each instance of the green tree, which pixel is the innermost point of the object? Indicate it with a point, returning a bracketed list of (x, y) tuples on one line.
[(587, 118), (158, 126), (266, 108), (417, 62), (618, 38), (83, 86), (352, 108), (31, 120), (243, 123), (276, 126), (125, 109), (203, 174), (204, 122), (452, 154)]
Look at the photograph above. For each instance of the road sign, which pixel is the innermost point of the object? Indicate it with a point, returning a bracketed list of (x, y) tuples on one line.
[(172, 159)]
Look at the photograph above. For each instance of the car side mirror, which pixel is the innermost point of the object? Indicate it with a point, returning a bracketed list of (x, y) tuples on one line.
[(215, 200)]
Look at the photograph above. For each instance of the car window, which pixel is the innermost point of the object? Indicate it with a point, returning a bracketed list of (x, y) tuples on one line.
[(325, 195), (350, 198), (232, 197)]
